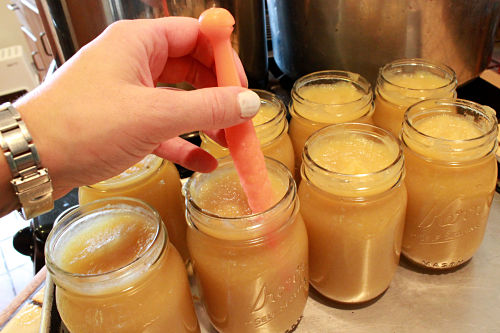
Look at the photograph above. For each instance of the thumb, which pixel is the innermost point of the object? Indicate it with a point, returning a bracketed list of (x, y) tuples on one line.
[(202, 109)]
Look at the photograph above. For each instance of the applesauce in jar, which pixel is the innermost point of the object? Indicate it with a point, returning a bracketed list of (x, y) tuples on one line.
[(116, 271), (155, 181), (353, 201), (323, 98), (271, 127), (449, 148), (404, 82), (252, 269)]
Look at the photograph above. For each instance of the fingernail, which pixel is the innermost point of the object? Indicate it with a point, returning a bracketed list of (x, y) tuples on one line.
[(249, 103)]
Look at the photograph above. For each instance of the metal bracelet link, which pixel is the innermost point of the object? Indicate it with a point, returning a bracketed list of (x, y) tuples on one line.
[(31, 181)]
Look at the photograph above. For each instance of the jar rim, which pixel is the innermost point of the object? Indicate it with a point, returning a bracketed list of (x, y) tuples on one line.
[(81, 214), (448, 150), (412, 111), (362, 126), (355, 185), (357, 79), (414, 62), (369, 113), (118, 185), (192, 208), (267, 96), (228, 161)]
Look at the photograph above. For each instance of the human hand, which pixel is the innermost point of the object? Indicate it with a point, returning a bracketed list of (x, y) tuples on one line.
[(100, 113)]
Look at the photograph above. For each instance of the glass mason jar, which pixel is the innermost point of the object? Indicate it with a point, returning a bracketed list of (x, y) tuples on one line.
[(271, 127), (251, 269), (116, 271), (323, 98), (449, 147), (404, 82), (155, 181), (353, 201)]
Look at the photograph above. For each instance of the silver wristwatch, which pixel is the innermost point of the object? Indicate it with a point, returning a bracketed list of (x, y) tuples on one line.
[(30, 180)]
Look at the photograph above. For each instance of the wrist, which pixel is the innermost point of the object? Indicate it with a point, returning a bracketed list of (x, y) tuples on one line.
[(30, 180)]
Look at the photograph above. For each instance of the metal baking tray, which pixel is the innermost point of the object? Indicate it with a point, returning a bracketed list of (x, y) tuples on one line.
[(466, 299)]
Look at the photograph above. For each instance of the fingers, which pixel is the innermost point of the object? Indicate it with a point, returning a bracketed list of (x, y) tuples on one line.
[(174, 112), (188, 155), (168, 50), (190, 55), (189, 70), (178, 35), (218, 136), (203, 54)]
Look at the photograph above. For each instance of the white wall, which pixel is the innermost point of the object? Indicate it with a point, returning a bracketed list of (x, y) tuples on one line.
[(10, 32)]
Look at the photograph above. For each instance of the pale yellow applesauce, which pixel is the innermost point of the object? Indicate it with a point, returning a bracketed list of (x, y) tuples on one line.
[(317, 104), (155, 181), (451, 177), (353, 202), (352, 154), (448, 127), (403, 83), (252, 270), (152, 297), (110, 243)]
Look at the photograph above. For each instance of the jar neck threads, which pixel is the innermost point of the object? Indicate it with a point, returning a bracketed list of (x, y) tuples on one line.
[(407, 81), (354, 101), (136, 174), (252, 228), (479, 136), (357, 182), (80, 221)]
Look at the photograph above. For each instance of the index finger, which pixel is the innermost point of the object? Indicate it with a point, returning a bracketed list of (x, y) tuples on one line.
[(184, 40)]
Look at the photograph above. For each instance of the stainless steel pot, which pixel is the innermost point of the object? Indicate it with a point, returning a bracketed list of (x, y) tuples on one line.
[(361, 36), (75, 22)]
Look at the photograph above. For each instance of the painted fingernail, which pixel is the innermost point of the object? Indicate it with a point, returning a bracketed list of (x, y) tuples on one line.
[(249, 103)]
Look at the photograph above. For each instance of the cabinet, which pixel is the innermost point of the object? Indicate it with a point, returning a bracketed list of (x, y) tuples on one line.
[(31, 25)]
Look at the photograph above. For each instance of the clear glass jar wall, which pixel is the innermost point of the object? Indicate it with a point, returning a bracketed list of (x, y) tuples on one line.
[(323, 98), (252, 269), (404, 82), (353, 200), (116, 271), (155, 181), (449, 147)]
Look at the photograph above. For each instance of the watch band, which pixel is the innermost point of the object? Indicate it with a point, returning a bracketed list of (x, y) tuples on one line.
[(31, 181)]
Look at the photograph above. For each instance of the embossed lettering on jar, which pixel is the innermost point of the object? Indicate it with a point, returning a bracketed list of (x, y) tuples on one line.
[(353, 200), (252, 269), (323, 98), (271, 127), (155, 181), (449, 147), (116, 271)]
